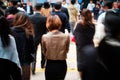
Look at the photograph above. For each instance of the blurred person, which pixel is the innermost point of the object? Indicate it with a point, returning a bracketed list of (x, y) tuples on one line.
[(23, 32), (100, 28), (63, 17), (28, 8), (64, 4), (73, 13), (39, 25), (115, 5), (2, 8), (13, 3), (63, 9), (96, 10), (47, 9), (109, 48), (84, 33), (102, 62), (90, 6), (55, 46), (10, 14), (10, 68)]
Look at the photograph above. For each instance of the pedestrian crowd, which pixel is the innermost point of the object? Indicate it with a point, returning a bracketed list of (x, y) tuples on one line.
[(93, 25)]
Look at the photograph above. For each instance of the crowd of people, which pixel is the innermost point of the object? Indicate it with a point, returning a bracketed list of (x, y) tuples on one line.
[(95, 28)]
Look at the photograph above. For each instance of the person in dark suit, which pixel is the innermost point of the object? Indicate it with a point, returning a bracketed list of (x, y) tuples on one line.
[(63, 17), (39, 24), (65, 10), (28, 8)]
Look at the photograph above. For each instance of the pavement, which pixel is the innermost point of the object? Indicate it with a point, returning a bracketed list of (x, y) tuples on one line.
[(72, 73)]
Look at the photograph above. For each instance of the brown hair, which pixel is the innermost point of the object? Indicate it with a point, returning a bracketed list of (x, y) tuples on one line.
[(22, 20), (87, 15), (53, 23)]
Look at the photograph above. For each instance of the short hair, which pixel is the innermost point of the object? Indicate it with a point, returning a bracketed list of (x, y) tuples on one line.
[(73, 1), (112, 23), (46, 5), (11, 10), (14, 2), (53, 23), (38, 6), (58, 5), (108, 4)]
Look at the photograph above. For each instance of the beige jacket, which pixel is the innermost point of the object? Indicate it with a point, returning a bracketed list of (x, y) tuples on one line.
[(55, 45)]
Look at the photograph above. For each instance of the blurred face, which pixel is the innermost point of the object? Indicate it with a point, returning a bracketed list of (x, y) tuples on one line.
[(115, 5)]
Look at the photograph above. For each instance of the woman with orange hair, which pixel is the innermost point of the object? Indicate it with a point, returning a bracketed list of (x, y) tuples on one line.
[(55, 46)]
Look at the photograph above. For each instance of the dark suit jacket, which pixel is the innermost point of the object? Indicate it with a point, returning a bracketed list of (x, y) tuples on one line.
[(31, 9), (65, 10), (39, 23)]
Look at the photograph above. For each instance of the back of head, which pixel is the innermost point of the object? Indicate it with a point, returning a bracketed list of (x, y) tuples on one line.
[(14, 2), (58, 5), (38, 6), (53, 22), (12, 10), (108, 4), (73, 1), (112, 23), (46, 5)]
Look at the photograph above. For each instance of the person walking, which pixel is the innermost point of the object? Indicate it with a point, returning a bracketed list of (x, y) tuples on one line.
[(55, 46), (47, 9), (102, 62), (10, 68), (23, 33), (63, 17), (73, 13), (84, 33), (39, 25)]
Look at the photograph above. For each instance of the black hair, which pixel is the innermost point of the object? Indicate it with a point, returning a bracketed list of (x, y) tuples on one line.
[(112, 22), (57, 5), (4, 31), (11, 10), (38, 6), (73, 1), (46, 5), (108, 4), (14, 2)]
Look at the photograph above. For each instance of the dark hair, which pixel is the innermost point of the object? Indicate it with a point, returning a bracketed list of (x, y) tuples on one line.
[(73, 1), (57, 5), (112, 23), (38, 6), (46, 5), (4, 31), (87, 17), (11, 10), (108, 4), (1, 13)]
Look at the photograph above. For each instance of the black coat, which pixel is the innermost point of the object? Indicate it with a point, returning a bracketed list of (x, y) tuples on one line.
[(39, 24), (9, 70), (25, 46)]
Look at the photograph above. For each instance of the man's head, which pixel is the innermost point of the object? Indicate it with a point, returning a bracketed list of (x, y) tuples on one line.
[(112, 23), (108, 5), (58, 6), (38, 6), (13, 2)]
